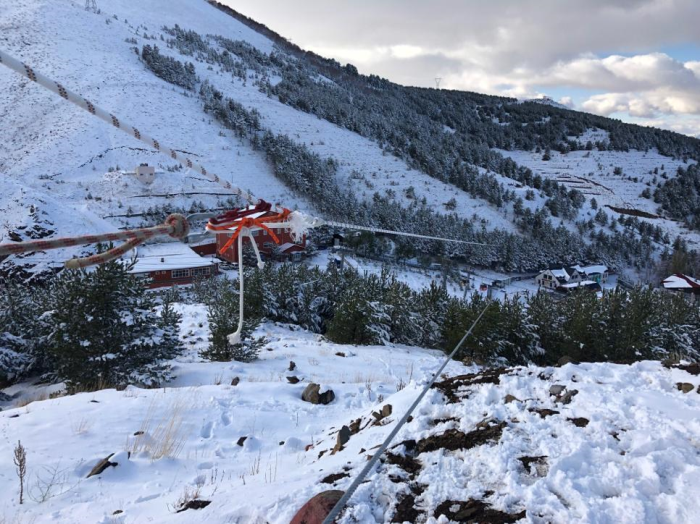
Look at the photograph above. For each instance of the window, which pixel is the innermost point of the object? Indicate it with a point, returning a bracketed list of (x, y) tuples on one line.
[(254, 232), (201, 272), (296, 256), (269, 245), (180, 273)]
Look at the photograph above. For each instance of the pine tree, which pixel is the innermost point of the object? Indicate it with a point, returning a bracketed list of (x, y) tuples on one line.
[(102, 329)]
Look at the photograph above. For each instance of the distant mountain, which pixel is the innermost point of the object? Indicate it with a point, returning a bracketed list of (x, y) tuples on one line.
[(539, 183)]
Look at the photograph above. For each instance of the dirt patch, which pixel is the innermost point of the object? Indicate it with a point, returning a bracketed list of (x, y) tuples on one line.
[(454, 439), (406, 508), (334, 477), (407, 463), (451, 387), (475, 511)]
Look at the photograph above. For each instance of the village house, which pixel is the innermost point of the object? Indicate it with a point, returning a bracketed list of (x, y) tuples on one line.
[(288, 248), (145, 173), (556, 277), (597, 273), (680, 283), (171, 263)]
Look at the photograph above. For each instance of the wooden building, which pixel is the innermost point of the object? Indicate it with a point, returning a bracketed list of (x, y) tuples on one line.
[(171, 263)]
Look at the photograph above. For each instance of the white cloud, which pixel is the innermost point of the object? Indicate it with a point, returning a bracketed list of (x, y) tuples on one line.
[(520, 48)]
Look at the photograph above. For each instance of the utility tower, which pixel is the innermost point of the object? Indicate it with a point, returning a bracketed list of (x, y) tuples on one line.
[(91, 5), (437, 82)]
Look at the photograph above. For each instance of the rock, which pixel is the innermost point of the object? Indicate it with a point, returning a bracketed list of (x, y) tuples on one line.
[(579, 422), (544, 413), (355, 426), (138, 433), (292, 365), (566, 398), (293, 380), (327, 397), (343, 438), (539, 462), (556, 390), (566, 359), (241, 441), (685, 387), (511, 398), (312, 394), (102, 465), (330, 479), (235, 381), (194, 504), (386, 410), (340, 354), (318, 508)]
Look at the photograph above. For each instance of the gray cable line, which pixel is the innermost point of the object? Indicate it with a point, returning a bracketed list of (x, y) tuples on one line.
[(356, 483)]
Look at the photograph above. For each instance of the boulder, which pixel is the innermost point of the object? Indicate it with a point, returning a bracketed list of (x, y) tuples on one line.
[(566, 397), (556, 390), (241, 441), (292, 365), (343, 438), (293, 380), (685, 387), (318, 508), (510, 398), (313, 395), (566, 359), (235, 381)]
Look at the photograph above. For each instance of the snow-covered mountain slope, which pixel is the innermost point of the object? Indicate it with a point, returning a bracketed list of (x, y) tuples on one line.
[(580, 443), (58, 150)]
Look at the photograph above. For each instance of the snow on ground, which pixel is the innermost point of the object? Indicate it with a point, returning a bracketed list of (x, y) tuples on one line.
[(633, 459), (592, 173), (59, 149)]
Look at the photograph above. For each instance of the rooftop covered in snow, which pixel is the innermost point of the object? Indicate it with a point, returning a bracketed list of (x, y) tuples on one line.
[(167, 256)]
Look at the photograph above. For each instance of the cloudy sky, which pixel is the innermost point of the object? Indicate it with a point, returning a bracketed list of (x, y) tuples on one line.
[(637, 60)]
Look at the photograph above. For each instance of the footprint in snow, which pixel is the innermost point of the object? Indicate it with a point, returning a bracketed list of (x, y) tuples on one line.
[(207, 430)]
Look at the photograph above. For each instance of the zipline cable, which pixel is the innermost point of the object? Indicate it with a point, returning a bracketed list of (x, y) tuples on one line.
[(356, 483), (84, 103)]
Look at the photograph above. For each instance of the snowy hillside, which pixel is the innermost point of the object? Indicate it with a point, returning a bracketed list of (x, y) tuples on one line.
[(580, 443), (57, 151)]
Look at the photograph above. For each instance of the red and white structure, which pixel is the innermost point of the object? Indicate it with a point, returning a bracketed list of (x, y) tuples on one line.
[(172, 263), (285, 247)]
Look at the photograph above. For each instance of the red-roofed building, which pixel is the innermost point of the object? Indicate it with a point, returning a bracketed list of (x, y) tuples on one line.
[(680, 283)]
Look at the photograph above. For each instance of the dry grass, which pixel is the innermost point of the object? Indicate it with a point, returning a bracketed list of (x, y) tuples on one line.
[(24, 402), (80, 427), (162, 433)]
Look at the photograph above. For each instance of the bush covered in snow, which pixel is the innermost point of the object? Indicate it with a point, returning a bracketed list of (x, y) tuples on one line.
[(87, 328), (350, 308)]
